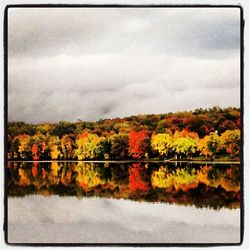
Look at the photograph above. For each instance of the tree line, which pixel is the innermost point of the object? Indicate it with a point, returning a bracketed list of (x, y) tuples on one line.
[(204, 132)]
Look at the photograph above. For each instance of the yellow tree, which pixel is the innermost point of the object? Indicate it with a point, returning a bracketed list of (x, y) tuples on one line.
[(230, 140), (214, 143), (24, 147), (161, 143), (203, 147), (185, 145), (185, 142), (54, 146), (88, 146)]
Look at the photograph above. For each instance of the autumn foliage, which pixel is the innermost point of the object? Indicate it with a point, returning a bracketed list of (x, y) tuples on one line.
[(207, 133), (138, 143)]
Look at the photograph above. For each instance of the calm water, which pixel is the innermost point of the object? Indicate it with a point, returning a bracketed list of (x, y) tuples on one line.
[(84, 202)]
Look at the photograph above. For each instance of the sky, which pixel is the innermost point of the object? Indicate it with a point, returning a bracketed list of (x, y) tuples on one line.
[(66, 64)]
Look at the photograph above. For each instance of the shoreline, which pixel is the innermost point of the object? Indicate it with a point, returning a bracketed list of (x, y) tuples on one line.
[(138, 161)]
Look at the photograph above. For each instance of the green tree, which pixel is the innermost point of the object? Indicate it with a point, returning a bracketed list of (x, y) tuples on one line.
[(185, 145), (119, 145), (63, 128), (67, 146), (13, 146), (104, 149)]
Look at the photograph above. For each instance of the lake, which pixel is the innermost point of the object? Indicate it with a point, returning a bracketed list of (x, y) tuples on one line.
[(123, 202)]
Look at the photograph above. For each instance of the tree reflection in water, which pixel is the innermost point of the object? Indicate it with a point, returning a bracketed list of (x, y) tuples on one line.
[(214, 186)]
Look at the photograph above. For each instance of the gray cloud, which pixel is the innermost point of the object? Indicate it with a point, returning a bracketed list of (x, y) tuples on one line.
[(66, 64)]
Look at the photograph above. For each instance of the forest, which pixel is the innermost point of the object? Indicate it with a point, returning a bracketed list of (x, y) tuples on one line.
[(202, 133)]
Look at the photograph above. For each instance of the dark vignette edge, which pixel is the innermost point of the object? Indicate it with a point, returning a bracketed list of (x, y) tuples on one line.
[(5, 40)]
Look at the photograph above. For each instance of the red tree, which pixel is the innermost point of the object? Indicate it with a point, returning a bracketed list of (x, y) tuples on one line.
[(138, 143)]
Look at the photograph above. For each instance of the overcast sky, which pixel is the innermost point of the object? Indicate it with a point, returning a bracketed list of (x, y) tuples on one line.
[(92, 63)]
